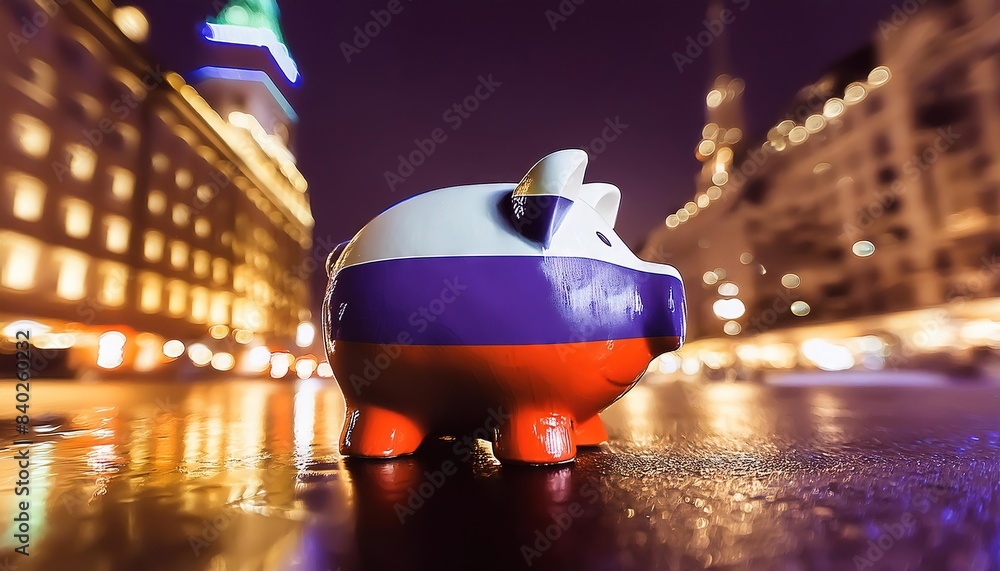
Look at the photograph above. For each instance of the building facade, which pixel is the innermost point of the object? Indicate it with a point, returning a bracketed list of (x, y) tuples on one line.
[(877, 193), (131, 205)]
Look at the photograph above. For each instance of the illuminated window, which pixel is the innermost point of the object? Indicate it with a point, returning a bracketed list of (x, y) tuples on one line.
[(122, 183), (176, 298), (78, 216), (240, 278), (157, 202), (32, 135), (129, 134), (114, 278), (204, 194), (199, 305), (181, 214), (240, 311), (132, 23), (21, 264), (220, 270), (81, 162), (151, 293), (202, 260), (255, 317), (183, 178), (160, 162), (260, 290), (89, 107), (153, 247), (249, 314), (178, 255), (219, 312), (187, 135), (117, 236), (128, 81), (72, 277), (202, 227), (29, 196), (39, 83)]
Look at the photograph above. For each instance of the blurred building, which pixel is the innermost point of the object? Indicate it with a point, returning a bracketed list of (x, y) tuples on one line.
[(133, 201), (878, 192)]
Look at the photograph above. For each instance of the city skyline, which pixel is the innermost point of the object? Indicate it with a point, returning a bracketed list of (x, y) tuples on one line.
[(366, 112)]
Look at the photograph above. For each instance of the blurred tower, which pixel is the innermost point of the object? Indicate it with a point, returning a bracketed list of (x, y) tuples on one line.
[(703, 239), (249, 70), (250, 80), (722, 136)]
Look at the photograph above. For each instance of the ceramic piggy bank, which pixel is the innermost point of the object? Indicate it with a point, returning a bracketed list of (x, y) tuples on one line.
[(507, 310)]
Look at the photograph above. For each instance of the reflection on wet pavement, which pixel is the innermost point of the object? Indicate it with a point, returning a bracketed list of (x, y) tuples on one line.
[(246, 475)]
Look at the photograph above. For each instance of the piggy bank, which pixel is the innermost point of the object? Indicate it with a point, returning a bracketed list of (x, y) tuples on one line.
[(512, 312)]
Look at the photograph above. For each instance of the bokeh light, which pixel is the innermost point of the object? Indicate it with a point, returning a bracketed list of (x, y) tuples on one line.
[(173, 348), (790, 281), (800, 308), (863, 248)]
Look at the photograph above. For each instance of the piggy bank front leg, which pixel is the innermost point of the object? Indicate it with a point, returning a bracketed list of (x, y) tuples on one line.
[(376, 432), (590, 432), (535, 437)]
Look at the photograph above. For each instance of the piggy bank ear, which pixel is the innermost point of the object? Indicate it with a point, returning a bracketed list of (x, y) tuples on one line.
[(541, 200), (604, 198)]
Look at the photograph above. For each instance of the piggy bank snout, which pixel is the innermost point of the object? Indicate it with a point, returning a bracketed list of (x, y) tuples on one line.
[(666, 321)]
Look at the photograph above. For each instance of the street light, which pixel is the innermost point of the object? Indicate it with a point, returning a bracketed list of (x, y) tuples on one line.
[(305, 334), (729, 309)]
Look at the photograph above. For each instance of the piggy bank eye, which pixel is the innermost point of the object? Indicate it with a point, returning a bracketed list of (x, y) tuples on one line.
[(604, 239)]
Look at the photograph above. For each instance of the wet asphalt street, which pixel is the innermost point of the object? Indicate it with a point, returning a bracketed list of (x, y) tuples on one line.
[(246, 476)]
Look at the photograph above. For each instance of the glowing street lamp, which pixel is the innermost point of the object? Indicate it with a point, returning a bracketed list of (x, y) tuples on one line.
[(305, 334)]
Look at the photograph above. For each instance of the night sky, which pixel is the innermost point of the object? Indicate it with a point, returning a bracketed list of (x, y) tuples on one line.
[(607, 60)]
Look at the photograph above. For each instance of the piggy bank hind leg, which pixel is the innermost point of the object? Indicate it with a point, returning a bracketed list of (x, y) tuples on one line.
[(590, 432), (535, 437), (376, 432)]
